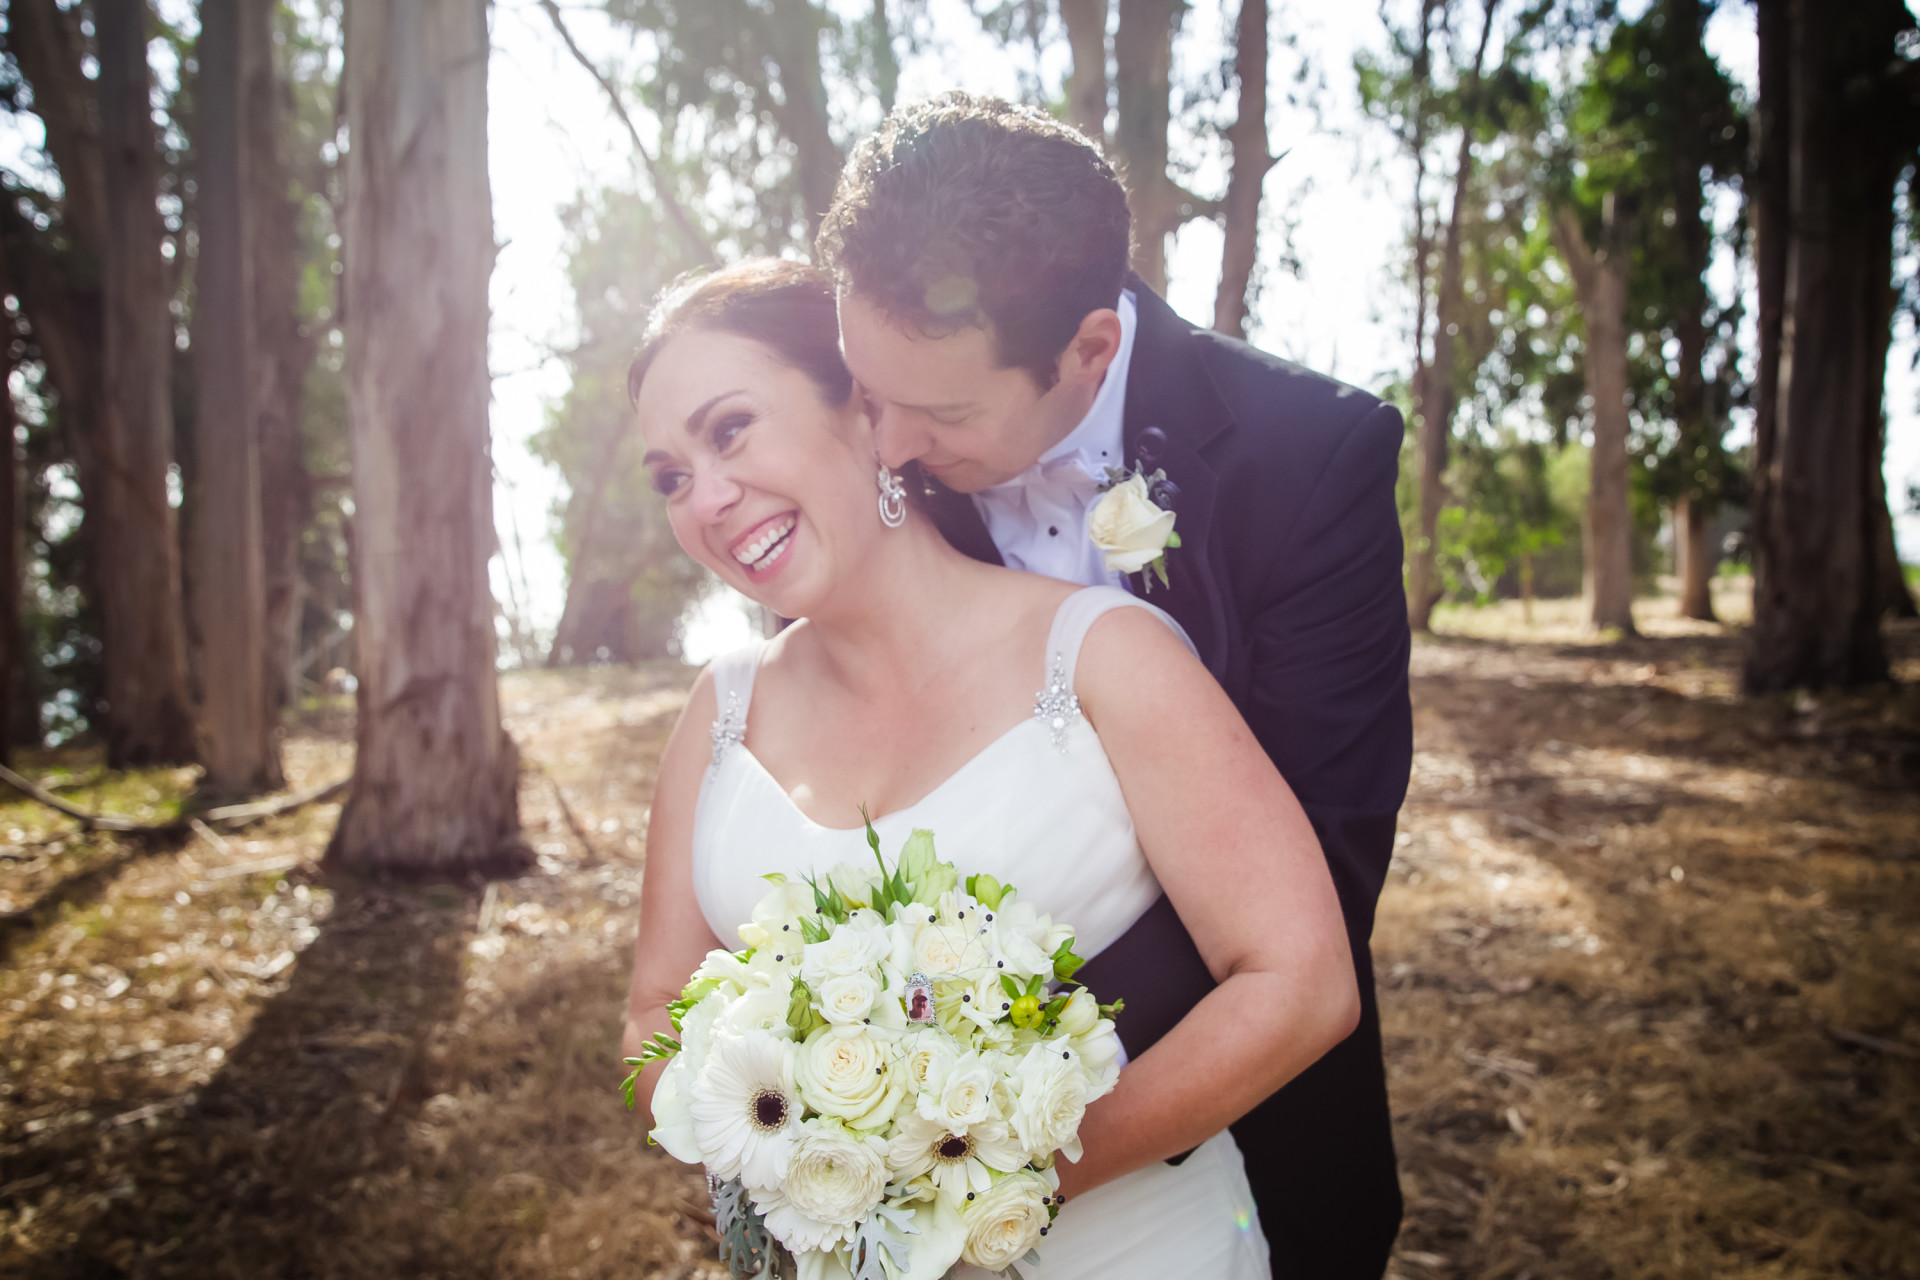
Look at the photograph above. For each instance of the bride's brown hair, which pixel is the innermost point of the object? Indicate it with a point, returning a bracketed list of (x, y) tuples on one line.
[(787, 307)]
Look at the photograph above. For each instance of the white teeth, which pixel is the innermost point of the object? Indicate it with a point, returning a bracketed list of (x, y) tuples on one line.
[(757, 550)]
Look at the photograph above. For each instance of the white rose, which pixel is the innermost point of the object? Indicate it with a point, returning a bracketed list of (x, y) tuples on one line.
[(834, 1178), (847, 1000), (963, 1092), (926, 1061), (759, 1008), (1006, 1222), (1050, 1089), (1127, 527), (846, 1072)]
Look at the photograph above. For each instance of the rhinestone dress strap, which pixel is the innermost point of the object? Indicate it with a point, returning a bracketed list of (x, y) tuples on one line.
[(1057, 706), (732, 690)]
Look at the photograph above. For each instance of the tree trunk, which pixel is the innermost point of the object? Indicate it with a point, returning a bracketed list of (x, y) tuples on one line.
[(1086, 23), (1817, 601), (801, 108), (239, 748), (283, 353), (12, 651), (1600, 279), (1434, 386), (1252, 161), (1143, 61), (136, 557), (886, 63), (1697, 434), (434, 783), (1695, 557), (1422, 588)]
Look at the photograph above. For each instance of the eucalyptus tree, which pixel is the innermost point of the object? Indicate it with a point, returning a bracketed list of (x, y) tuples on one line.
[(435, 774)]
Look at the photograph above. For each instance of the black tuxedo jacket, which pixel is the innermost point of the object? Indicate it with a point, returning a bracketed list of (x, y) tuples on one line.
[(1288, 580)]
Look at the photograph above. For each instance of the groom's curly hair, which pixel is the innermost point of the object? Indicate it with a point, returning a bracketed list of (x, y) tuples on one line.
[(966, 211)]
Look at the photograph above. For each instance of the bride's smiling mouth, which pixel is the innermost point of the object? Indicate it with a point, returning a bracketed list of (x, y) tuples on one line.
[(763, 548)]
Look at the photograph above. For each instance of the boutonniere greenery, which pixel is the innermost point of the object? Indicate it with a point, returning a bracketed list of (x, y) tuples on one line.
[(1133, 532)]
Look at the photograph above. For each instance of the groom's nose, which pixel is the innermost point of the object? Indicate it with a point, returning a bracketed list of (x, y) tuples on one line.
[(895, 439)]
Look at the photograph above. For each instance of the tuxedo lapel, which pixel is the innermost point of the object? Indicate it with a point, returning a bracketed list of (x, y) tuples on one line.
[(1173, 411)]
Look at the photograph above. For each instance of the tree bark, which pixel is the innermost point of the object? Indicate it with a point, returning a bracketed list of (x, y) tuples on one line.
[(283, 354), (239, 748), (1143, 62), (434, 784), (1600, 279), (12, 650), (136, 553), (1086, 23), (1817, 600), (1252, 161), (46, 44), (1695, 557), (1434, 394)]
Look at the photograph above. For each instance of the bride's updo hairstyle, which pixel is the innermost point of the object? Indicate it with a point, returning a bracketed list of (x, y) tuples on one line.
[(786, 307)]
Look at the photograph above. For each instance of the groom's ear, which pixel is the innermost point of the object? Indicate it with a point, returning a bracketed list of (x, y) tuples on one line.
[(1092, 348)]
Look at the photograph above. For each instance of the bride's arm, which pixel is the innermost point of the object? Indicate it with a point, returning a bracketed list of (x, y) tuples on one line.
[(1240, 863), (674, 936)]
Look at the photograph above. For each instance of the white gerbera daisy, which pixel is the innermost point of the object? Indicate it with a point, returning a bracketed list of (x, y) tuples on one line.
[(959, 1164), (746, 1110)]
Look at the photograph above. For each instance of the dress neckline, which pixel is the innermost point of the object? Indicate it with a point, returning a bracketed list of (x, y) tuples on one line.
[(964, 767)]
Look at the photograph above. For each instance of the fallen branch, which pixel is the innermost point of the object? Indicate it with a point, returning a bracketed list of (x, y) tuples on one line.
[(235, 814), (1892, 1048), (91, 821), (566, 811)]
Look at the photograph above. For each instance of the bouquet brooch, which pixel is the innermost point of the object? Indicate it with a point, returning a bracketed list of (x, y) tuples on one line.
[(880, 1082)]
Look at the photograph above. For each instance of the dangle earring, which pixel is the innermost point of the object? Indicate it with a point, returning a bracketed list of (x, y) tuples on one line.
[(893, 498)]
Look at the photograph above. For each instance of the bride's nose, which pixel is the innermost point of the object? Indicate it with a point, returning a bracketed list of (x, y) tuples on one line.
[(714, 494)]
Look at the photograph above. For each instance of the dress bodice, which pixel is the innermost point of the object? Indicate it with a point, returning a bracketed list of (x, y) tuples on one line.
[(1039, 807)]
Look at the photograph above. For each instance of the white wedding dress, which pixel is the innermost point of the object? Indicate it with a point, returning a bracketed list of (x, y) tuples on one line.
[(1039, 808)]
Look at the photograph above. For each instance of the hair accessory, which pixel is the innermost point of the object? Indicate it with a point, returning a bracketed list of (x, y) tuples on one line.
[(893, 498)]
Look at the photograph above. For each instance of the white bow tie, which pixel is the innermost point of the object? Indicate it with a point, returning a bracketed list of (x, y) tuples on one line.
[(1068, 481)]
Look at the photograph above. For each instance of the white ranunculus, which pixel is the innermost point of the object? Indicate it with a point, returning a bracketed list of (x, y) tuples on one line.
[(834, 1178), (673, 1092), (759, 1008), (1129, 529), (746, 1109), (1006, 1222), (1050, 1090), (858, 945), (963, 1093), (847, 1000), (847, 1072)]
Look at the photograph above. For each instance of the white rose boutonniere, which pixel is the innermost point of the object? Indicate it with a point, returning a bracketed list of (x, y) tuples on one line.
[(1133, 533)]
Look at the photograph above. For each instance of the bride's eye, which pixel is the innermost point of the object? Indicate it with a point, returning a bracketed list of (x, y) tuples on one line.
[(728, 429), (665, 483)]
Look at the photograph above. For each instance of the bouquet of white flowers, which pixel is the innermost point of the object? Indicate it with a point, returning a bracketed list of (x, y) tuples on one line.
[(880, 1082)]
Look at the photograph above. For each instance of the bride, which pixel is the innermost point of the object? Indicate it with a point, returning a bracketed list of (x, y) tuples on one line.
[(909, 686)]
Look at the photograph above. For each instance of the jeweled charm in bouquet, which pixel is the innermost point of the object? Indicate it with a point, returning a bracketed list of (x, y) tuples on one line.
[(880, 1082)]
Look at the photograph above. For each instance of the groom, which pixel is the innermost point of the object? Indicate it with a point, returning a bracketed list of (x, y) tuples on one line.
[(1006, 351)]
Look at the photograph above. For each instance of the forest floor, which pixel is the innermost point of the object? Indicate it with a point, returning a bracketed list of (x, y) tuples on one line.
[(1649, 960)]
